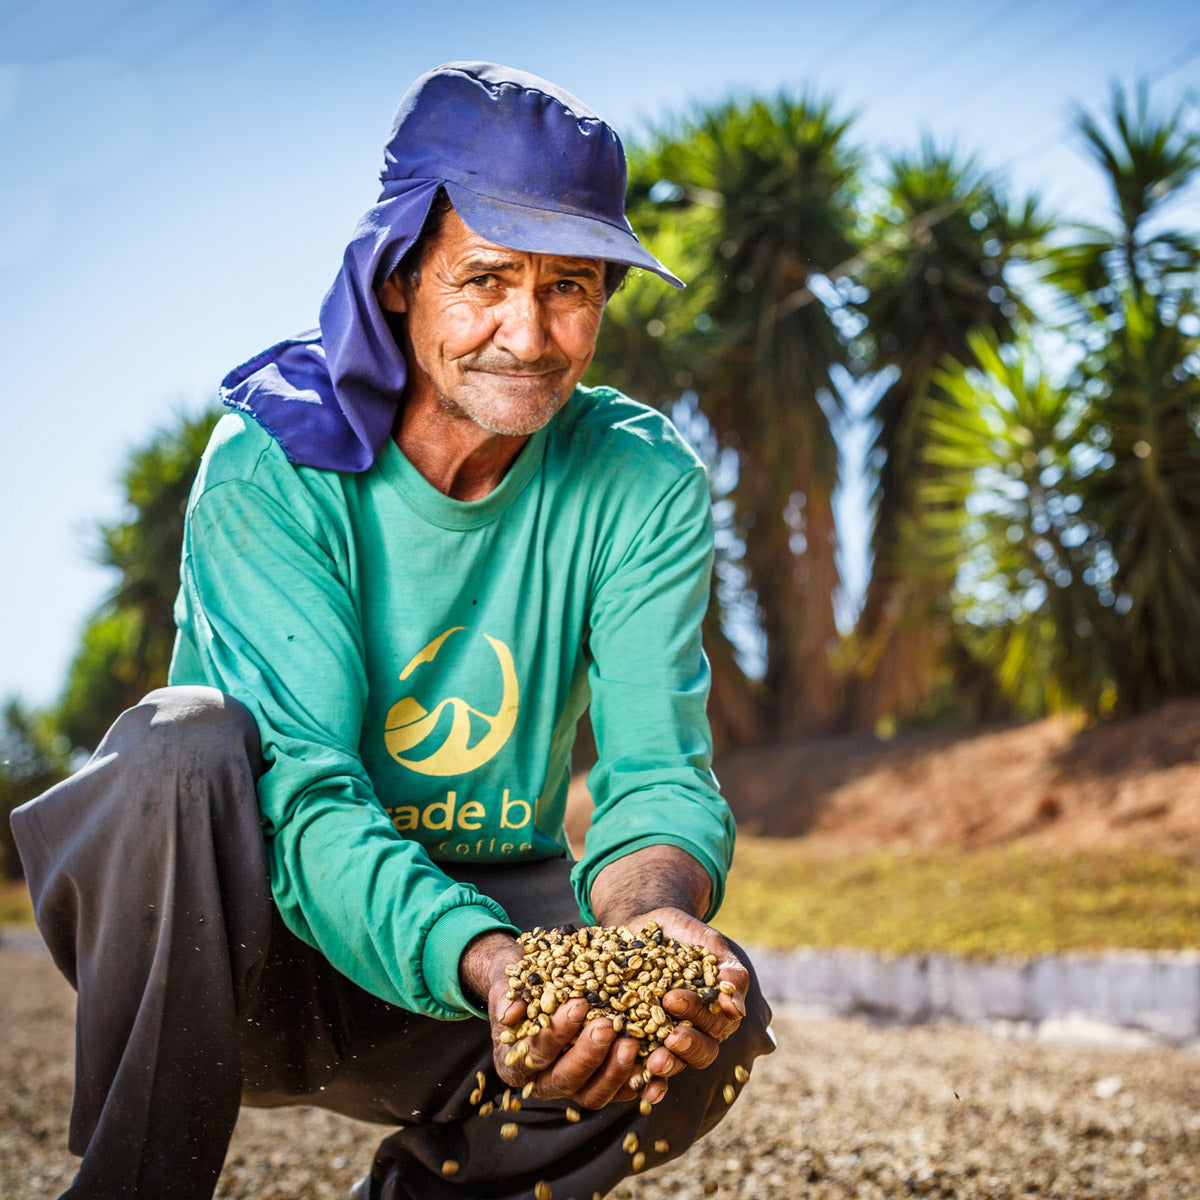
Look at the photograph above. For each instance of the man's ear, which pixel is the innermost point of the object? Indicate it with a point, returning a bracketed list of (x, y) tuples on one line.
[(391, 296)]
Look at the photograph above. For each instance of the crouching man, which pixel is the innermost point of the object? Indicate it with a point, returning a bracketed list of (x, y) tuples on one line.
[(416, 553)]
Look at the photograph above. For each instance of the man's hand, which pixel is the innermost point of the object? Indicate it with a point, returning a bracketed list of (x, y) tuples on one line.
[(660, 884), (695, 1046), (593, 1072), (666, 885)]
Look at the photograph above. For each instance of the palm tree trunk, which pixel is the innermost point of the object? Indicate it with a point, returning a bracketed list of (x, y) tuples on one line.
[(794, 577), (735, 711)]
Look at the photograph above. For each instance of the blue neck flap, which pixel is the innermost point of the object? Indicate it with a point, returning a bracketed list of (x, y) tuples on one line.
[(329, 397)]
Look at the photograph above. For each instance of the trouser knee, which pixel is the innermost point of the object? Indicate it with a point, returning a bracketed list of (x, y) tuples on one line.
[(148, 875), (181, 748), (186, 728), (184, 757), (167, 799)]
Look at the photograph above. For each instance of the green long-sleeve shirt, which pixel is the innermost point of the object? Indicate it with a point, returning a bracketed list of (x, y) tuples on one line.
[(417, 666)]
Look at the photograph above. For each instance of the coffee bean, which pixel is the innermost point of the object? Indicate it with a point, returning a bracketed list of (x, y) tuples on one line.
[(621, 977)]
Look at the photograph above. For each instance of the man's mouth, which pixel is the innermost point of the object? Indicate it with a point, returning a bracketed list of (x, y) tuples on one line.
[(520, 374), (517, 380), (509, 369)]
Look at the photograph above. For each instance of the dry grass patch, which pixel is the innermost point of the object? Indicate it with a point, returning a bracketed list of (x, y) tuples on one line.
[(15, 908), (1001, 900)]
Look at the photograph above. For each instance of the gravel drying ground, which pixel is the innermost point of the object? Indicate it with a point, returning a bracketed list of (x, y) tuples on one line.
[(843, 1109)]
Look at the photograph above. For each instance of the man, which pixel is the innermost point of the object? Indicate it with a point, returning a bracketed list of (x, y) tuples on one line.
[(415, 553)]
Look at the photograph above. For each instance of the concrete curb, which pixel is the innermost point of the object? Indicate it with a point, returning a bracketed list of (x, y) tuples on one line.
[(1156, 996), (1131, 996)]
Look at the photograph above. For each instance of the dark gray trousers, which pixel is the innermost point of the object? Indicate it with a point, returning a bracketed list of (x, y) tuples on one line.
[(149, 883)]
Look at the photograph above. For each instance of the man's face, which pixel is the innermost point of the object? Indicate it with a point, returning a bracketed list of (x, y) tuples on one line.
[(495, 336)]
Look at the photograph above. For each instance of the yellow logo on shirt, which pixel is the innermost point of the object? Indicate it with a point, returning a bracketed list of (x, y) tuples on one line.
[(409, 725)]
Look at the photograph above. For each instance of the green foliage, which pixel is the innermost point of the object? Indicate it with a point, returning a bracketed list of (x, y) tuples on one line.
[(775, 182), (941, 238), (1145, 158), (33, 757), (1009, 900), (126, 646), (1071, 508), (649, 345), (951, 238), (1005, 505), (1073, 517), (1145, 495), (946, 236), (753, 203), (118, 661), (1035, 531)]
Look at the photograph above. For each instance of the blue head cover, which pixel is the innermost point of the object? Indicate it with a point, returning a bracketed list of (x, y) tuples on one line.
[(525, 164)]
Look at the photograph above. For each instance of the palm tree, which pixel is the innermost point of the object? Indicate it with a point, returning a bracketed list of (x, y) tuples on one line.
[(1010, 451), (654, 344), (1147, 159), (761, 194), (949, 239), (1070, 508), (1146, 496), (1131, 295)]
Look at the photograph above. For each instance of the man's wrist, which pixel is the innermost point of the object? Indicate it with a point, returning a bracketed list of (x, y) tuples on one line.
[(483, 962), (652, 877)]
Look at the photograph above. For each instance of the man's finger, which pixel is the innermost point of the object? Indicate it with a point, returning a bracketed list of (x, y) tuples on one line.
[(544, 1048), (663, 1064), (514, 1013), (693, 1046), (576, 1067), (611, 1081), (735, 975), (690, 1006)]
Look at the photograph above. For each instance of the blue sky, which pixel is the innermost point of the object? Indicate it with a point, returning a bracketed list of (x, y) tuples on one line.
[(178, 178)]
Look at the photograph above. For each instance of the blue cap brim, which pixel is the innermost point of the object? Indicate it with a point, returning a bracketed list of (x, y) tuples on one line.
[(552, 231)]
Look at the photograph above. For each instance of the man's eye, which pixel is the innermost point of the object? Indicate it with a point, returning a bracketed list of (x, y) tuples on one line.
[(567, 287), (483, 281)]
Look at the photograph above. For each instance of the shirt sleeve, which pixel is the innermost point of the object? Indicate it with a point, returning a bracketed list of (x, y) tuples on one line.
[(653, 783), (273, 622)]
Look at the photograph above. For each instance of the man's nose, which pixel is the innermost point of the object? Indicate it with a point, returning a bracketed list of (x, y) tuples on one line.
[(521, 327)]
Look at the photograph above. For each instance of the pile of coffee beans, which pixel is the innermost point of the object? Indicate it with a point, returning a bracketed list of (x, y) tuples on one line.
[(623, 977)]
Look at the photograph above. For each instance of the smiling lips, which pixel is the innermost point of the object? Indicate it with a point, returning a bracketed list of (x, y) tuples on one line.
[(504, 365)]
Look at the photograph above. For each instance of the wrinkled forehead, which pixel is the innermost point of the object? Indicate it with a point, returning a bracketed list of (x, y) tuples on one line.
[(460, 246)]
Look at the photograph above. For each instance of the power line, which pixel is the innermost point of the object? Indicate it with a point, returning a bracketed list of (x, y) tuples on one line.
[(931, 217), (86, 40), (1052, 41), (1182, 59), (1177, 61), (871, 25), (201, 25), (1000, 15), (15, 10)]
